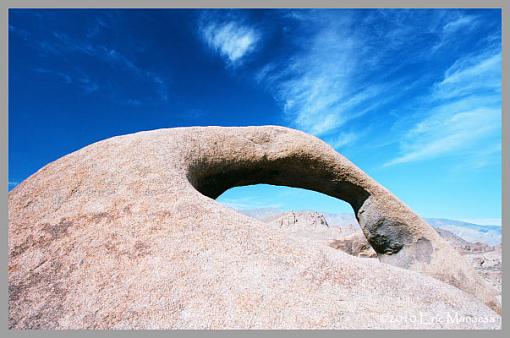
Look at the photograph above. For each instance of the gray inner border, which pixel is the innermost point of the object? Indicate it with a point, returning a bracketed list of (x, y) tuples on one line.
[(5, 5)]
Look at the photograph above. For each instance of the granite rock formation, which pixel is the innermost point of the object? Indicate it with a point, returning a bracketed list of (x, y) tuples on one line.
[(318, 227), (125, 233), (354, 244)]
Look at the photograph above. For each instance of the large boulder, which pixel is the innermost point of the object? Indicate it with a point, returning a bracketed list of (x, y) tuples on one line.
[(125, 233)]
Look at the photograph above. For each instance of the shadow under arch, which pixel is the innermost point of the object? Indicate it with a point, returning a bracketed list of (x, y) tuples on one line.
[(311, 170), (304, 173)]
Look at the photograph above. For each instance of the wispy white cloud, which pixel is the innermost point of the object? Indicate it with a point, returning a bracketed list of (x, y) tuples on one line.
[(316, 88), (77, 78), (344, 139), (335, 77), (444, 133), (471, 74), (466, 22), (327, 83), (118, 59), (464, 115), (452, 26), (97, 27), (21, 33), (63, 43), (63, 76), (233, 40)]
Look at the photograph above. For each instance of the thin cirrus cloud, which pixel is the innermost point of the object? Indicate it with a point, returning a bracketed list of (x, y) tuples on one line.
[(344, 139), (323, 86), (232, 40), (116, 58), (445, 133), (62, 43), (462, 22), (328, 85), (475, 73), (465, 117), (315, 88), (77, 78)]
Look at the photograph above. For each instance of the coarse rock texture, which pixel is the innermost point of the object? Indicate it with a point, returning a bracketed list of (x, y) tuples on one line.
[(489, 265), (354, 244), (125, 233), (348, 237)]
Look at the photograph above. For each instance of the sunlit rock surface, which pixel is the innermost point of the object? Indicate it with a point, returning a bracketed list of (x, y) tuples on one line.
[(125, 233)]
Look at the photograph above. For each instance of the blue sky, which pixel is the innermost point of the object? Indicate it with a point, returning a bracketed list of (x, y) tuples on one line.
[(413, 97)]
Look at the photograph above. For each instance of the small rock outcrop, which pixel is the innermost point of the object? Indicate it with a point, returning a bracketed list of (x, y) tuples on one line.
[(301, 219), (354, 244), (125, 233)]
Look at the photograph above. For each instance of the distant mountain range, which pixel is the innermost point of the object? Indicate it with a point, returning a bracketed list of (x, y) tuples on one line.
[(490, 234)]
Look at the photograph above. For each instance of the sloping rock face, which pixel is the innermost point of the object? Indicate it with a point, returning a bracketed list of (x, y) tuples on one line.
[(125, 233), (347, 236)]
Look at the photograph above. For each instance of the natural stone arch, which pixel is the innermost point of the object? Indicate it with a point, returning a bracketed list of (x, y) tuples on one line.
[(286, 157), (128, 210)]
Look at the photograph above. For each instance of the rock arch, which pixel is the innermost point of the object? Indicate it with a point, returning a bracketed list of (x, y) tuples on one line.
[(135, 215), (281, 156)]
